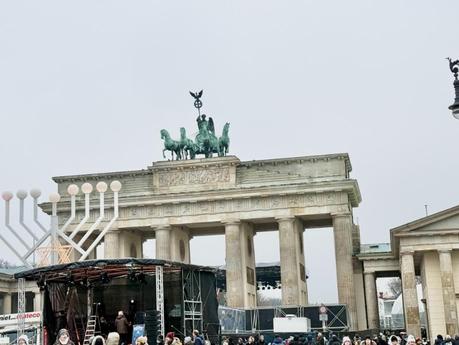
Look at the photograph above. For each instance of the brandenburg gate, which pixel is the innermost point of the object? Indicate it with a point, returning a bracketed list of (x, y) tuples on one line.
[(174, 201)]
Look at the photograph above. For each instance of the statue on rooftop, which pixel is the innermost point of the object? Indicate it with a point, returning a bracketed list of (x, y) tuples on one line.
[(205, 143)]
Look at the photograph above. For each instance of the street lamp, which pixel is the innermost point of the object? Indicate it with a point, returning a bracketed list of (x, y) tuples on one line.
[(454, 67)]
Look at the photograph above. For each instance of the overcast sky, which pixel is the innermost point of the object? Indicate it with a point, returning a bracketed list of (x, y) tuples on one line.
[(86, 86)]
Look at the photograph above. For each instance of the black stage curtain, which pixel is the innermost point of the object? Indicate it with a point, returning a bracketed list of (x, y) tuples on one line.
[(211, 323)]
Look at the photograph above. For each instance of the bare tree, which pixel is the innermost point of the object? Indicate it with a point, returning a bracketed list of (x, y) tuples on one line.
[(395, 286), (266, 301)]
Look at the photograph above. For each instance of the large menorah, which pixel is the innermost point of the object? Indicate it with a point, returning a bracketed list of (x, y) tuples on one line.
[(56, 251)]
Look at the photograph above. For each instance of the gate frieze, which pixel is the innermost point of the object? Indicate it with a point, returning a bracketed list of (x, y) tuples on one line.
[(245, 207)]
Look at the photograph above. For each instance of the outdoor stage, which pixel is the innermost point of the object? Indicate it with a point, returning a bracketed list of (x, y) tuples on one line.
[(74, 292)]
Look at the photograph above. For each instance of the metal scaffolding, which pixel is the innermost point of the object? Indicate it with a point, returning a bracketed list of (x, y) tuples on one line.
[(21, 306), (192, 301), (160, 295)]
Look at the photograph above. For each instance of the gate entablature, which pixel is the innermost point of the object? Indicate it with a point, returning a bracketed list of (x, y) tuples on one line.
[(216, 188)]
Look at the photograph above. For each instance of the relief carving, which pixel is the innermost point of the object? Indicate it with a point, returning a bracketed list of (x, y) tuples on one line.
[(177, 178)]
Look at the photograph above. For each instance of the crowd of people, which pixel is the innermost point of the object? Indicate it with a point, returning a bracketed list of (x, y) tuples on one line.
[(120, 334), (120, 337), (334, 339)]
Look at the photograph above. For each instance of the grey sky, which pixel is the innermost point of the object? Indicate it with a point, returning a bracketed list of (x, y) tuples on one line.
[(85, 86)]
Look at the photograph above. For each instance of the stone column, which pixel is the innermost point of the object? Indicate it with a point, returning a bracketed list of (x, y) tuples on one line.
[(180, 244), (410, 295), (371, 300), (342, 230), (7, 303), (130, 244), (288, 259), (248, 264), (163, 243), (112, 245), (359, 291), (235, 286), (449, 295)]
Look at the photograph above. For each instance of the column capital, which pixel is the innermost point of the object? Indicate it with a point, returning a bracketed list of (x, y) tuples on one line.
[(406, 252), (444, 251), (161, 227), (285, 219), (231, 222), (372, 273)]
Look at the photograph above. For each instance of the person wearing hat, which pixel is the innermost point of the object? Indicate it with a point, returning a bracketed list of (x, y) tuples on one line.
[(176, 341), (187, 341), (197, 340), (98, 340), (448, 340), (394, 340), (439, 340), (169, 338), (63, 338), (113, 338), (346, 341), (368, 341), (410, 340), (122, 327), (23, 340), (141, 341), (334, 340)]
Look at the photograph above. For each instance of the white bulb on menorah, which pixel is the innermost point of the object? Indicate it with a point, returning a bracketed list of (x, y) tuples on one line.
[(56, 234)]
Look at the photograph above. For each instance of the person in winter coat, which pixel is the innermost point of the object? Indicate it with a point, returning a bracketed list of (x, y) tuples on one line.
[(439, 340), (63, 338), (23, 340), (261, 340), (277, 340), (122, 327), (381, 340), (320, 339), (104, 327), (197, 339), (334, 340), (448, 340)]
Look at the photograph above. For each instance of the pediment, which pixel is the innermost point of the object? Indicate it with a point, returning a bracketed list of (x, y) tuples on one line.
[(441, 221), (450, 223)]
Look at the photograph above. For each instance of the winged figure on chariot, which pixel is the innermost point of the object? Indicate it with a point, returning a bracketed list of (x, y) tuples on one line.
[(206, 142)]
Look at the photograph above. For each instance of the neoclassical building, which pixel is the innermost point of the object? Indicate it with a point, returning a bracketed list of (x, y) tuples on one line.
[(174, 201), (429, 248), (9, 292)]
